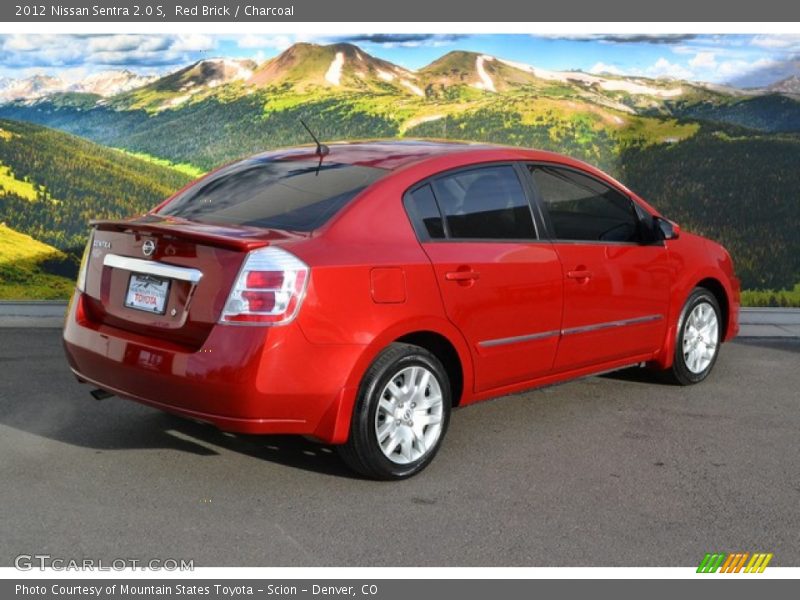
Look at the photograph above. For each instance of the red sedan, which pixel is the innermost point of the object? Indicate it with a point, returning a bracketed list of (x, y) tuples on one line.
[(356, 293)]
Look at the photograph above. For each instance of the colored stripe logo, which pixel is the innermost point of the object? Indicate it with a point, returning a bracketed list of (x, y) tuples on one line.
[(734, 562)]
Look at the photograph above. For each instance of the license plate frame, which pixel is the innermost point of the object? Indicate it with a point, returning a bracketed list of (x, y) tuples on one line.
[(159, 288)]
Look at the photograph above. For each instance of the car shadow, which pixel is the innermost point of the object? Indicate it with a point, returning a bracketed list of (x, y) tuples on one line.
[(157, 430), (638, 375), (40, 396), (70, 416), (137, 427), (287, 450)]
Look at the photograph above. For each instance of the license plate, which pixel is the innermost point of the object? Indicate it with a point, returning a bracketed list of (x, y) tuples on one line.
[(147, 293)]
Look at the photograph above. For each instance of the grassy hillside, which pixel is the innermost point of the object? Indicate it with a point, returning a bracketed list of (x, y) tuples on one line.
[(51, 185), (26, 267), (184, 168), (54, 183), (215, 130)]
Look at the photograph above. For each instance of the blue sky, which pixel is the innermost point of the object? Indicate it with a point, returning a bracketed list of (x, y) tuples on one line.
[(744, 60)]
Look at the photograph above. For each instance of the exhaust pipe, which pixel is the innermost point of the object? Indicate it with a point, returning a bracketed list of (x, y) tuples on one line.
[(99, 394)]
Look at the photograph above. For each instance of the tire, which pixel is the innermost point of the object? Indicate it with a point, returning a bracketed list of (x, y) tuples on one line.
[(698, 338), (401, 414)]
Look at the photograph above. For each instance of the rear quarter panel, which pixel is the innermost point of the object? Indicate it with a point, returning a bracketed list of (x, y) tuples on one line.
[(342, 307)]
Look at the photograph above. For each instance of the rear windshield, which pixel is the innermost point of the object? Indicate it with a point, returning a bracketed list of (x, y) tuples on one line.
[(279, 194)]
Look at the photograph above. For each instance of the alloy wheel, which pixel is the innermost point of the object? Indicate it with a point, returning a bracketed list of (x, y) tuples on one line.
[(700, 337), (408, 421)]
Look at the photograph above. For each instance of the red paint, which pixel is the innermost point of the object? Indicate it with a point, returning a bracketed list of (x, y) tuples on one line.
[(372, 282), (388, 285)]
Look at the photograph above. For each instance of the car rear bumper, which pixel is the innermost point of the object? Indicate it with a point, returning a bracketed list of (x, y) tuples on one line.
[(243, 379)]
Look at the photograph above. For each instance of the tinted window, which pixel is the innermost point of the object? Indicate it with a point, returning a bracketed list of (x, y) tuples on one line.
[(487, 203), (583, 208), (284, 194), (421, 205)]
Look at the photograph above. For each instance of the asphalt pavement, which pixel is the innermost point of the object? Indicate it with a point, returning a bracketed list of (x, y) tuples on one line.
[(607, 471)]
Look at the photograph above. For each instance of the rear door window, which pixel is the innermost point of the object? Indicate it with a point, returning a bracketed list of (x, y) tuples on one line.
[(295, 195), (485, 203)]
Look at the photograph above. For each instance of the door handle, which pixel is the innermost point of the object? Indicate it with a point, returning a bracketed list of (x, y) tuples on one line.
[(462, 275), (579, 274)]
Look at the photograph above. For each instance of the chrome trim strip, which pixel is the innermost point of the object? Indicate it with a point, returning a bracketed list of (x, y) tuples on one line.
[(518, 338), (149, 267), (609, 324), (571, 331)]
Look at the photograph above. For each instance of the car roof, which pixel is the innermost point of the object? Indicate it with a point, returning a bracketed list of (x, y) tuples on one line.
[(395, 154)]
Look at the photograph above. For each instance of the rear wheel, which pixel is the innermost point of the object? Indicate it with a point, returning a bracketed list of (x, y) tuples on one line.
[(401, 414), (698, 338)]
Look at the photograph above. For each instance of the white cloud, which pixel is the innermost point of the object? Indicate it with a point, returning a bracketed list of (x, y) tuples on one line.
[(703, 60), (663, 68), (777, 42), (278, 42), (127, 43), (24, 51), (602, 67), (680, 49), (621, 38), (732, 69), (193, 42), (34, 51), (73, 74), (23, 43)]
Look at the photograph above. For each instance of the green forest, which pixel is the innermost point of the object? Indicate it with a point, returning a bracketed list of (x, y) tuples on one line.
[(51, 185)]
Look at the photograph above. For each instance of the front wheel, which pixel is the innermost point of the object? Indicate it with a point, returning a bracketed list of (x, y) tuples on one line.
[(401, 414), (698, 338)]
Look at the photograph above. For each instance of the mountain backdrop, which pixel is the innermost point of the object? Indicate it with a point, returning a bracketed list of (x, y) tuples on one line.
[(721, 161)]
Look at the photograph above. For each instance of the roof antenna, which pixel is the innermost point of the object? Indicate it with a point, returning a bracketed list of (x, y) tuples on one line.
[(322, 149)]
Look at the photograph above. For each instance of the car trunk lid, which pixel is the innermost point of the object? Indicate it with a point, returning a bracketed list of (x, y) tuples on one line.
[(166, 277)]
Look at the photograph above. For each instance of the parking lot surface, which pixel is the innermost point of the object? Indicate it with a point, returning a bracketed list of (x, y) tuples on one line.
[(608, 471)]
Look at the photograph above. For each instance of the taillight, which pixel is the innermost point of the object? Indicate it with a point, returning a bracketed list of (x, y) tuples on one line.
[(81, 283), (269, 289)]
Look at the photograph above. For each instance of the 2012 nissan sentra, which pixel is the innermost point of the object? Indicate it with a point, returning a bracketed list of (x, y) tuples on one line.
[(356, 293)]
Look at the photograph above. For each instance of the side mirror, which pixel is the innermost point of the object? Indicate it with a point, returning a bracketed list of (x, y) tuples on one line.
[(667, 230)]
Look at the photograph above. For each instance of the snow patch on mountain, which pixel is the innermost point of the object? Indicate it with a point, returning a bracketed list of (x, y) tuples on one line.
[(109, 83), (334, 73), (414, 88), (32, 88), (176, 101), (612, 85), (239, 72), (405, 72), (639, 89), (485, 82)]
